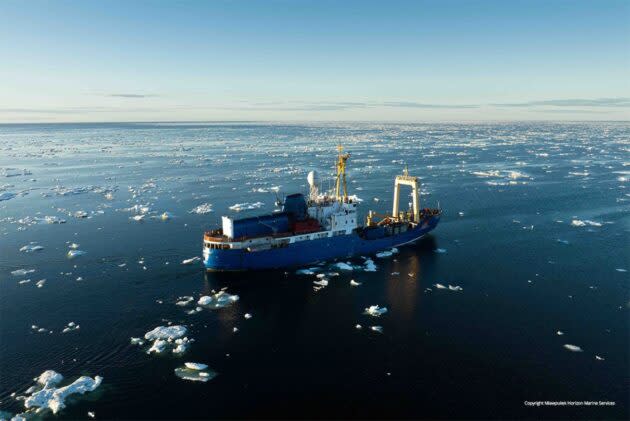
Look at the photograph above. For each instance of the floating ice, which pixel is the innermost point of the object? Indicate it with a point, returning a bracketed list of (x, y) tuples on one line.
[(50, 397), (440, 250), (137, 218), (247, 316), (321, 282), (485, 174), (137, 341), (29, 248), (22, 272), (375, 311), (184, 301), (166, 332), (598, 358), (559, 333), (580, 223), (75, 253), (195, 374), (621, 270), (40, 283), (573, 348), (70, 327), (354, 283), (344, 266), (219, 300), (378, 329), (310, 271), (202, 209), (166, 216), (191, 260), (196, 366), (455, 288), (369, 266), (387, 253), (246, 206), (358, 326), (80, 214), (439, 286)]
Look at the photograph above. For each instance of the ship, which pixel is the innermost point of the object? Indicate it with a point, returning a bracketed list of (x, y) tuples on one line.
[(317, 228)]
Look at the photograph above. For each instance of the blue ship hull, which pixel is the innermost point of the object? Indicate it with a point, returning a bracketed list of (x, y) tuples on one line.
[(308, 252)]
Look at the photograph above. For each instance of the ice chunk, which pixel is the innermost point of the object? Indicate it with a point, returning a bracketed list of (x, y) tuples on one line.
[(621, 270), (455, 288), (166, 332), (191, 260), (598, 358), (202, 209), (29, 248), (378, 329), (440, 250), (580, 223), (219, 300), (440, 286), (75, 253), (246, 206), (247, 316), (196, 366), (137, 341), (573, 348), (7, 196), (375, 311), (354, 283), (158, 346), (137, 218), (53, 398), (166, 216), (321, 282), (344, 266), (40, 283), (369, 266), (559, 333), (22, 272), (195, 375)]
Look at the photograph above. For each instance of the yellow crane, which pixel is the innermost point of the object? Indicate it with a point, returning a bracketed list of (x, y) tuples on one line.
[(341, 175)]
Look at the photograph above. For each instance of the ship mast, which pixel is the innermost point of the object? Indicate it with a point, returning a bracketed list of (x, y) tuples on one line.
[(341, 175)]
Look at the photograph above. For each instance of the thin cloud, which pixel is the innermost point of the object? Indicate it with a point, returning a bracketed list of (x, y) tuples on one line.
[(598, 102), (131, 95)]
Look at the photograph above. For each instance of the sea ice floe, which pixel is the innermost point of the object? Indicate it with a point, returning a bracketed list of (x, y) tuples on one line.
[(194, 372), (46, 394), (196, 366), (455, 288), (70, 327), (246, 206), (559, 333), (387, 253), (247, 316), (321, 282), (440, 250), (29, 248), (621, 270), (375, 311), (191, 260), (354, 283), (369, 266), (573, 348), (439, 286), (202, 209), (344, 266), (184, 301), (40, 283), (22, 272), (164, 337), (166, 332), (137, 341), (75, 253), (580, 223), (137, 218), (219, 300), (310, 271), (598, 358), (378, 329)]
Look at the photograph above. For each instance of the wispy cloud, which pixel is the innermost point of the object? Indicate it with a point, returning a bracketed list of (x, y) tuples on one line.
[(598, 102), (131, 95)]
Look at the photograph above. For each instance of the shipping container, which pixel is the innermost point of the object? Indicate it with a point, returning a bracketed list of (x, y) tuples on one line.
[(257, 226)]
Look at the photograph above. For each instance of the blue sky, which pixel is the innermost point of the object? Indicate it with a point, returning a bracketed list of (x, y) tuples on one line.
[(314, 60)]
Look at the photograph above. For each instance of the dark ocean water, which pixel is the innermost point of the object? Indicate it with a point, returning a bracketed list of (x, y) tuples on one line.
[(535, 230)]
